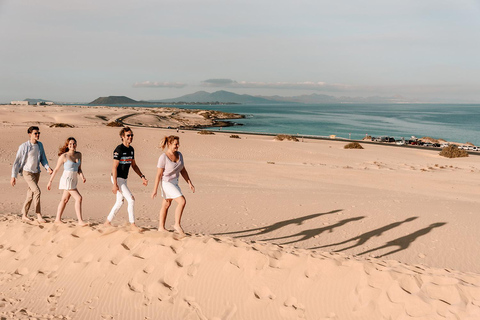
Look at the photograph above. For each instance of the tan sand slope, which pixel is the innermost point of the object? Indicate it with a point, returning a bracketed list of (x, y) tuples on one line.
[(112, 273), (312, 196)]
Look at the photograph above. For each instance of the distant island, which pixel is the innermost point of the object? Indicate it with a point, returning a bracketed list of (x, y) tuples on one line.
[(314, 98), (122, 100), (223, 97)]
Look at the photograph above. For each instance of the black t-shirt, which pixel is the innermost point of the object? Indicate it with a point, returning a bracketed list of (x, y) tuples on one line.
[(125, 155)]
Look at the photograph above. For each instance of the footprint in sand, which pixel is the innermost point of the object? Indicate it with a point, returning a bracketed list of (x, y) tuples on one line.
[(295, 309), (21, 271), (53, 299), (185, 260), (85, 259), (135, 286), (118, 258), (263, 293), (148, 269), (161, 290), (63, 254)]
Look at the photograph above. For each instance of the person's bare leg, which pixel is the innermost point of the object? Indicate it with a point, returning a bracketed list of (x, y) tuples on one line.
[(61, 206), (163, 214), (78, 206), (181, 202)]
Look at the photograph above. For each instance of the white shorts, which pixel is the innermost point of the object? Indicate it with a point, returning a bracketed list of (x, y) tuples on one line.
[(170, 189)]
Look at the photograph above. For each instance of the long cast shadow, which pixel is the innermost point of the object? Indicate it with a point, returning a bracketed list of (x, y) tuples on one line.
[(310, 233), (404, 242), (278, 225), (363, 238)]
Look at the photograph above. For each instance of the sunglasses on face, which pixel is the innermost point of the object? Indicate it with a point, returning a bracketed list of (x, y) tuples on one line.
[(36, 133), (129, 135)]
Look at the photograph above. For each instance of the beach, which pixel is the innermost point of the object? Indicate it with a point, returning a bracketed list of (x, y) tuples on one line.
[(276, 229)]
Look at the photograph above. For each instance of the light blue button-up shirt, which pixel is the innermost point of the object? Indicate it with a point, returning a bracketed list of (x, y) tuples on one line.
[(21, 158)]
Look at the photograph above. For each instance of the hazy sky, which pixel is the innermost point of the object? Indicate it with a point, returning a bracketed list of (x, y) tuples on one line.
[(76, 51)]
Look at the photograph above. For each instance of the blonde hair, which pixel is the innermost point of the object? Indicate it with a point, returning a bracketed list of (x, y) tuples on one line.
[(64, 149), (167, 140)]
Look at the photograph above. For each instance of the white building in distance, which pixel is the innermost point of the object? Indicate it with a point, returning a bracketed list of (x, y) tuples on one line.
[(22, 103)]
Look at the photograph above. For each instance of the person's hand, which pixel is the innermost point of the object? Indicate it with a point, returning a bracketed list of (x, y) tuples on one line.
[(192, 187), (84, 180), (154, 194), (50, 171), (13, 181), (49, 185), (145, 181), (115, 189)]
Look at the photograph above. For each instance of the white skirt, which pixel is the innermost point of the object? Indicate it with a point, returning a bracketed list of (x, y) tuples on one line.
[(69, 180), (171, 190)]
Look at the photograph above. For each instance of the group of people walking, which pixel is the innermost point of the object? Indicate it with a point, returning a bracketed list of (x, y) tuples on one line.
[(169, 167)]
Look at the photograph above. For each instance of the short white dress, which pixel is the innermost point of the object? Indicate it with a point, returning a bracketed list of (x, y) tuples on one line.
[(69, 178), (170, 188)]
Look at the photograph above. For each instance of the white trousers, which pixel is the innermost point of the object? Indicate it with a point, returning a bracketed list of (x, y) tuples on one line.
[(123, 193)]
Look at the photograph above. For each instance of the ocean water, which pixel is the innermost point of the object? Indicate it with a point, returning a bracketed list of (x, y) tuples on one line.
[(459, 123)]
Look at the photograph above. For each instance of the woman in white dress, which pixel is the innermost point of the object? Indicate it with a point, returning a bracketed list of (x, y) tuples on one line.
[(170, 166), (72, 167)]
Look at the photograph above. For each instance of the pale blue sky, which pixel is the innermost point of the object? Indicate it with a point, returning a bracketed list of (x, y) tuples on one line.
[(76, 51)]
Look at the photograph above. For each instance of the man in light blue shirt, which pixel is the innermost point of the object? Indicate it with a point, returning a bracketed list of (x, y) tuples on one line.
[(29, 157)]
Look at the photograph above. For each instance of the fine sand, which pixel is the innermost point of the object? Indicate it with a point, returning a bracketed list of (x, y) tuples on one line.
[(276, 230)]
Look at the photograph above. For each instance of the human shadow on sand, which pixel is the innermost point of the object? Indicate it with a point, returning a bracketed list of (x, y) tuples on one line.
[(404, 242), (277, 225), (310, 233), (363, 238)]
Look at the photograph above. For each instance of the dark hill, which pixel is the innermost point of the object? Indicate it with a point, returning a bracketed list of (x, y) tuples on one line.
[(114, 100)]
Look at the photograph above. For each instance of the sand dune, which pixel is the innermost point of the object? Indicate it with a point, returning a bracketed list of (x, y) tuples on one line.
[(113, 273), (277, 230)]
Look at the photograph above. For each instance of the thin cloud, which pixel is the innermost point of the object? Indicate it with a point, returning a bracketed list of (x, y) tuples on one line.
[(150, 84), (307, 85)]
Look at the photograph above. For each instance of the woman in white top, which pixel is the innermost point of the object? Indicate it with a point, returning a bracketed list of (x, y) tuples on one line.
[(170, 166), (72, 167)]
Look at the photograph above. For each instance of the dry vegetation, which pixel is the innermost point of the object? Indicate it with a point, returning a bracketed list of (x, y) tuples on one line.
[(452, 151), (205, 132), (62, 125), (282, 137), (353, 145), (115, 124)]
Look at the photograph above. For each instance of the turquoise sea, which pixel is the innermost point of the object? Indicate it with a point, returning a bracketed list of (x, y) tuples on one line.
[(452, 122)]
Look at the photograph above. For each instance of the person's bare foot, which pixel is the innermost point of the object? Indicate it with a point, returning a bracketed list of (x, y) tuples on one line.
[(134, 227), (82, 224), (107, 224), (59, 222), (179, 230), (26, 219), (162, 229), (40, 218)]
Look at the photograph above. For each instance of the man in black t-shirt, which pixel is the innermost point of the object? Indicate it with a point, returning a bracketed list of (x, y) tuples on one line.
[(123, 158)]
